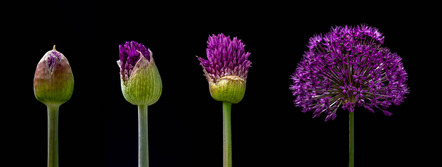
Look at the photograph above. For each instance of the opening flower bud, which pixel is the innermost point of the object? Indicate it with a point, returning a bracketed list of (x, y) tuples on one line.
[(229, 89), (53, 79), (140, 79), (226, 68)]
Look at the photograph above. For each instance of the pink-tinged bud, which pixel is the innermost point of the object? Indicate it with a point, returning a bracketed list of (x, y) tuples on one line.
[(53, 79)]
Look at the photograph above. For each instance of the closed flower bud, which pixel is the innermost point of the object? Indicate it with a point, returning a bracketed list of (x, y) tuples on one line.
[(226, 68), (53, 79), (140, 80)]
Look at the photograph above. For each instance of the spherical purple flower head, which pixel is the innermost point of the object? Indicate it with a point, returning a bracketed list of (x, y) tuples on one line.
[(129, 56), (348, 67), (225, 57)]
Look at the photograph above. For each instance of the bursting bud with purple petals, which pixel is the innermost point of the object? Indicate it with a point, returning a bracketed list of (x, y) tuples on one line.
[(140, 79), (348, 67), (53, 79), (226, 68)]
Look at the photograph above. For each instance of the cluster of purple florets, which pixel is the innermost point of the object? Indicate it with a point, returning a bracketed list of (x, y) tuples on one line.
[(348, 67), (53, 58), (129, 56), (225, 57)]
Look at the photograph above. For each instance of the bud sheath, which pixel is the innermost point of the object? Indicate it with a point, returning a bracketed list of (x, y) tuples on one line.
[(144, 85), (53, 79), (228, 89)]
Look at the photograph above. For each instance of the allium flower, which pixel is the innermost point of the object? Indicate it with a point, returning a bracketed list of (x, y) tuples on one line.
[(53, 86), (53, 79), (348, 68), (141, 85), (226, 68), (140, 79)]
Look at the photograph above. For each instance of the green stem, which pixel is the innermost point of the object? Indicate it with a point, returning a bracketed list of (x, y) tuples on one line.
[(351, 143), (227, 135), (53, 134), (143, 140)]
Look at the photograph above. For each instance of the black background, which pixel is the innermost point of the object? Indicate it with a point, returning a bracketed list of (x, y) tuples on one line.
[(98, 127)]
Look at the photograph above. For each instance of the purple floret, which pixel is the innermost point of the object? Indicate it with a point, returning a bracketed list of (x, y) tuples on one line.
[(129, 56), (225, 57), (348, 67), (53, 58)]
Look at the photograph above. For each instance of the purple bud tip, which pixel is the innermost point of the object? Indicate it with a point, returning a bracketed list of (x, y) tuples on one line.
[(53, 58), (348, 68), (225, 57), (129, 56)]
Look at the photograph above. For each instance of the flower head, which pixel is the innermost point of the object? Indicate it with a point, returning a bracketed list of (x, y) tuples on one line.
[(348, 67), (53, 79), (140, 80), (129, 55), (226, 68)]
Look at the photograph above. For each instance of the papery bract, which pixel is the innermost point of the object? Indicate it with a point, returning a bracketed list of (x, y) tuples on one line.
[(140, 79), (53, 79)]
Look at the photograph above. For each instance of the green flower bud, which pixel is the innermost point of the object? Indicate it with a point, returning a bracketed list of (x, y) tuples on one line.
[(141, 84), (228, 89), (53, 79)]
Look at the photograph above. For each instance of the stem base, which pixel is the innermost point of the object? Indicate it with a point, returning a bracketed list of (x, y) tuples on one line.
[(351, 137), (227, 135), (53, 110), (143, 140)]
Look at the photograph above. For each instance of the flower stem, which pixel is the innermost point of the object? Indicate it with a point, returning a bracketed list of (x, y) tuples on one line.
[(143, 140), (351, 137), (227, 135), (53, 134)]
